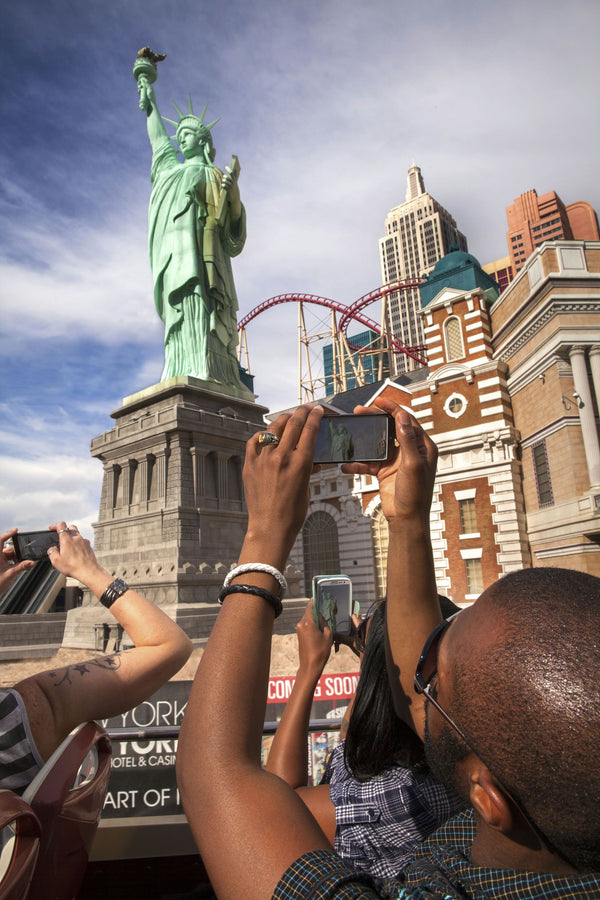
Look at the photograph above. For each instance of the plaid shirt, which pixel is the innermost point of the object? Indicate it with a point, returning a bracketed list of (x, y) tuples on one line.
[(441, 870), (381, 822)]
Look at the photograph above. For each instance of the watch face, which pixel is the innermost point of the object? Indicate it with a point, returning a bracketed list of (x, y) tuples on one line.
[(455, 405)]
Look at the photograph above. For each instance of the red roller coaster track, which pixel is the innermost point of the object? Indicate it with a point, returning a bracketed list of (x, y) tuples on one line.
[(352, 313)]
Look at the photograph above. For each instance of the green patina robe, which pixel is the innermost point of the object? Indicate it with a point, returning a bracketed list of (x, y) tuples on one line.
[(190, 256)]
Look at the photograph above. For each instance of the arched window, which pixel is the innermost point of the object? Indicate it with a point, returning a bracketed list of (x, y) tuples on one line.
[(454, 340), (320, 548), (379, 543)]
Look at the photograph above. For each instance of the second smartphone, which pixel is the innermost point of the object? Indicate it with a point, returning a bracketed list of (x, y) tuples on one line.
[(332, 595)]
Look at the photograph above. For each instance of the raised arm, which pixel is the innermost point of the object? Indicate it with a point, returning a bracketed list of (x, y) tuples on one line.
[(157, 132), (58, 699), (288, 755), (406, 488), (249, 824)]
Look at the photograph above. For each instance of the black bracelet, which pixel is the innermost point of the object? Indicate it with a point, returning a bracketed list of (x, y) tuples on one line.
[(113, 592), (274, 601)]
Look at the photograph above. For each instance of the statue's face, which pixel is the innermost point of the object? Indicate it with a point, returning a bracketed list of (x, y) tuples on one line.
[(190, 142)]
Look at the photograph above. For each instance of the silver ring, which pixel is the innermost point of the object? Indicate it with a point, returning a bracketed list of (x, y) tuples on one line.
[(267, 437), (51, 550), (62, 530)]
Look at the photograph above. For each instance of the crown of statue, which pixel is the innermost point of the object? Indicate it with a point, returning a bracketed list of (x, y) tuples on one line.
[(189, 120)]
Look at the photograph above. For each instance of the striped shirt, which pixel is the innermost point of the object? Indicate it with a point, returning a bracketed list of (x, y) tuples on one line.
[(19, 758)]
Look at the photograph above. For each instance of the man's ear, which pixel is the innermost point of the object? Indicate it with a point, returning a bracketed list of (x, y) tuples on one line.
[(488, 799)]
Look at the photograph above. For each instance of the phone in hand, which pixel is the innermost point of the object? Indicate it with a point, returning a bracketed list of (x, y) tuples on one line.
[(33, 544), (332, 599), (366, 438)]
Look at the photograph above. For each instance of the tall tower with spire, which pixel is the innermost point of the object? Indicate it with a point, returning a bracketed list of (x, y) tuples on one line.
[(418, 233)]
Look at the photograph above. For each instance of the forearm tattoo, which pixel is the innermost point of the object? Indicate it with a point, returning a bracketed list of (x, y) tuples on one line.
[(112, 662)]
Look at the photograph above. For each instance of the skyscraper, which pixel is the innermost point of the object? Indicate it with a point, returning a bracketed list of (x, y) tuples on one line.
[(533, 220), (418, 233)]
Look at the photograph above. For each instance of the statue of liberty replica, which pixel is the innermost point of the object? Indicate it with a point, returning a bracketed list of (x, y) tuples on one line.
[(172, 514), (196, 224)]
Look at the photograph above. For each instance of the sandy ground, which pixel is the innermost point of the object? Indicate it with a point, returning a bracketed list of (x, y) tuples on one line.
[(284, 661)]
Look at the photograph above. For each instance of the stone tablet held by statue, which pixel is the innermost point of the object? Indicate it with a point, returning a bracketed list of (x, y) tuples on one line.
[(197, 223)]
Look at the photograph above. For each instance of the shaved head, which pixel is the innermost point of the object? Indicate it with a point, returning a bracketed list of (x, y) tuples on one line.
[(526, 690)]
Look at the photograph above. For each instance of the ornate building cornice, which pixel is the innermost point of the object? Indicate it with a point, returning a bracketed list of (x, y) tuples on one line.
[(553, 307)]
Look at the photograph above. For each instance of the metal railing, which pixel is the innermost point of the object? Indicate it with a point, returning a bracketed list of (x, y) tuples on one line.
[(166, 732)]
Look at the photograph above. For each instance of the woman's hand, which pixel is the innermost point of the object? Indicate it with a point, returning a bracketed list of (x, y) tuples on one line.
[(314, 644), (276, 482), (74, 555), (354, 640), (9, 570), (406, 480)]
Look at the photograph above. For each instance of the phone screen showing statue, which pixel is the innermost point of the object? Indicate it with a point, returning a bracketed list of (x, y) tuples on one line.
[(334, 602), (34, 544), (353, 439)]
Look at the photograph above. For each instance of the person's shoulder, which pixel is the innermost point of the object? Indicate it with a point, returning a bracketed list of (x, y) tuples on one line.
[(322, 874)]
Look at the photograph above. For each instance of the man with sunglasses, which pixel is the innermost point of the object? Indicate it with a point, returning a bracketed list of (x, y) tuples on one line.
[(487, 686), (505, 696)]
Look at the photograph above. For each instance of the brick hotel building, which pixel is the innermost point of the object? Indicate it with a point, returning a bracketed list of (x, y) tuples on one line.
[(511, 397)]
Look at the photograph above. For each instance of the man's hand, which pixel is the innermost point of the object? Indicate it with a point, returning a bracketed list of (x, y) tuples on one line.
[(9, 570), (74, 555), (406, 480)]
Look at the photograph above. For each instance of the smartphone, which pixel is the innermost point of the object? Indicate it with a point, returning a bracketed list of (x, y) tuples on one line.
[(33, 544), (332, 596), (368, 438)]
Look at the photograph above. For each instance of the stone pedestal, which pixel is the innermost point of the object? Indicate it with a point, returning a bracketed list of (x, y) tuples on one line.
[(172, 513)]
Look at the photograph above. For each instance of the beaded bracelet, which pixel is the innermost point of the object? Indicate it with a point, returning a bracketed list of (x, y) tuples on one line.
[(115, 589), (257, 567), (271, 599)]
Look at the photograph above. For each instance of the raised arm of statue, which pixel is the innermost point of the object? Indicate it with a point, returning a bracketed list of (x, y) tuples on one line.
[(144, 71), (156, 128)]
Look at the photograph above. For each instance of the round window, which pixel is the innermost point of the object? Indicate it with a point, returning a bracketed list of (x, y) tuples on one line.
[(455, 405)]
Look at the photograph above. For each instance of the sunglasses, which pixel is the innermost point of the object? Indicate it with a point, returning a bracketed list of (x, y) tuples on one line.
[(427, 670), (424, 675)]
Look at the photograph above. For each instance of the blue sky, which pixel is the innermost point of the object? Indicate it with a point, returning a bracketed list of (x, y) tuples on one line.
[(326, 102)]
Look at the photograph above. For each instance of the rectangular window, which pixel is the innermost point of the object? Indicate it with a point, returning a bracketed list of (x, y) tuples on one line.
[(474, 576), (542, 474), (468, 519)]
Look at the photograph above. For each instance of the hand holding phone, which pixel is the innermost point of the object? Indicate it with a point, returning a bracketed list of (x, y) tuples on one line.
[(332, 595)]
